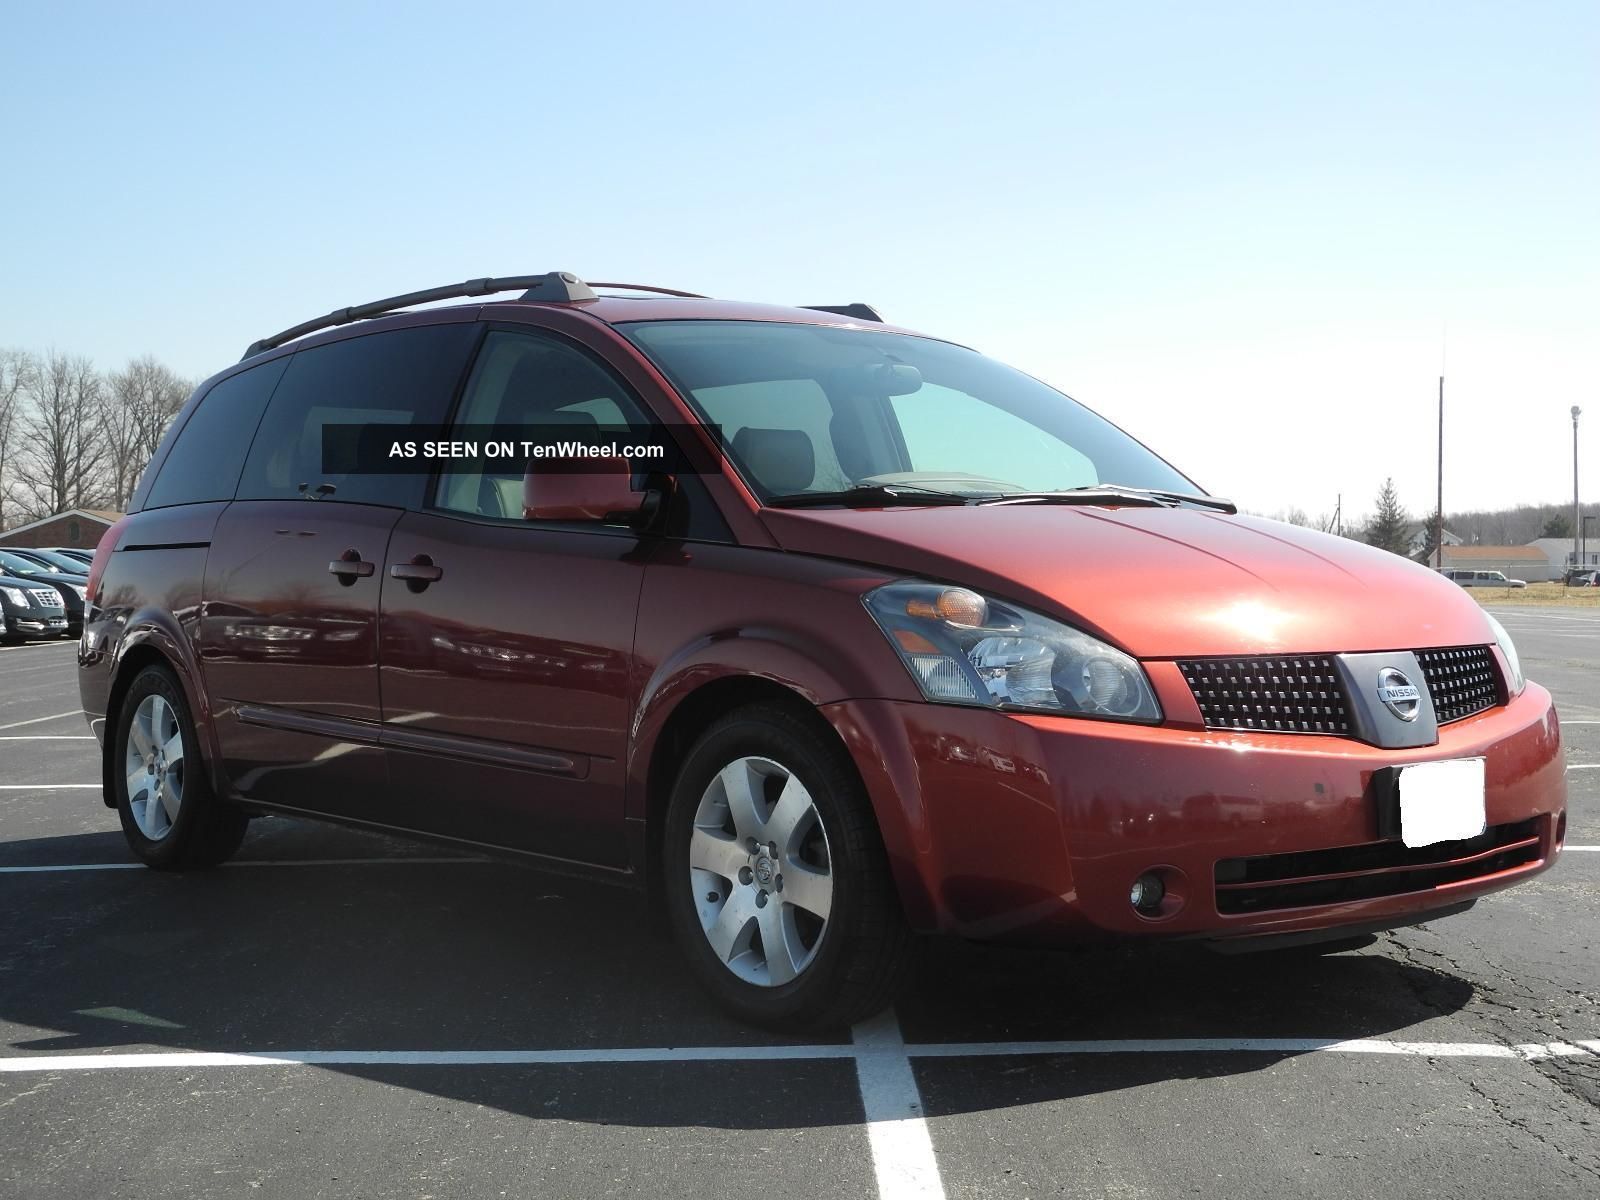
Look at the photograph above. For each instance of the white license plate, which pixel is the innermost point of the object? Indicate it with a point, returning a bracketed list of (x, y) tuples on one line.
[(1441, 801)]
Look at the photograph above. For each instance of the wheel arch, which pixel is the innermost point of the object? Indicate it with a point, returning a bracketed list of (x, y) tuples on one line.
[(149, 643)]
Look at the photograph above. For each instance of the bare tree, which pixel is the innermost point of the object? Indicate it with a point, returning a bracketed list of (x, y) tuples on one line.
[(136, 407), (59, 465), (16, 367)]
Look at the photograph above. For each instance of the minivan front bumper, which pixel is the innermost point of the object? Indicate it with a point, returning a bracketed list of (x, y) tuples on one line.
[(1014, 827)]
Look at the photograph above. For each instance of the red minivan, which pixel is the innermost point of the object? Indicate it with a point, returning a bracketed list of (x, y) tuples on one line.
[(899, 640)]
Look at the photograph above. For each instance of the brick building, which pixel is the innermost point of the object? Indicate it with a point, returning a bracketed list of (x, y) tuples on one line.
[(78, 528)]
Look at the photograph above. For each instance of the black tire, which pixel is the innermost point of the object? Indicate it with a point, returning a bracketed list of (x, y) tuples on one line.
[(862, 954), (206, 830)]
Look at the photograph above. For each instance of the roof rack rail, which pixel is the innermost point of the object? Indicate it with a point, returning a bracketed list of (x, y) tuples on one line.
[(645, 287), (861, 312), (554, 285)]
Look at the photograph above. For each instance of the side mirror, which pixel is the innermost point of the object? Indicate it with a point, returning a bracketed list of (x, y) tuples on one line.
[(602, 490)]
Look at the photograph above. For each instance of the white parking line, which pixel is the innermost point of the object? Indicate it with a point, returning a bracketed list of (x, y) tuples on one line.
[(47, 737), (1583, 766), (47, 787), (889, 1097), (416, 1058), (902, 1148), (41, 720)]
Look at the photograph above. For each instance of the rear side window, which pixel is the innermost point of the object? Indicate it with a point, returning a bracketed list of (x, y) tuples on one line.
[(204, 462), (398, 377)]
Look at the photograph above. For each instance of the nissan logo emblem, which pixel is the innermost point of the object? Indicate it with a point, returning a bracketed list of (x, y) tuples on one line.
[(1399, 694)]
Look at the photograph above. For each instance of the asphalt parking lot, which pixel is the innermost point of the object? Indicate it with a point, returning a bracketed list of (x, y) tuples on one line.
[(337, 1014)]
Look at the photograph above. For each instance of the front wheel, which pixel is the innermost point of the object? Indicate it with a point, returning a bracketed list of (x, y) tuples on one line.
[(777, 884), (170, 817)]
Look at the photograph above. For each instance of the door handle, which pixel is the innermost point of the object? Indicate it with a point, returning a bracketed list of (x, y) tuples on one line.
[(350, 567), (418, 573)]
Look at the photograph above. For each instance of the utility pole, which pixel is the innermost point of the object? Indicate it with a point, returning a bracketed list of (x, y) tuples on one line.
[(1438, 511), (1577, 512)]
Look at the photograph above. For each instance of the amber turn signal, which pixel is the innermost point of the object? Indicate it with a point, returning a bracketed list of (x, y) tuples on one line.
[(956, 605)]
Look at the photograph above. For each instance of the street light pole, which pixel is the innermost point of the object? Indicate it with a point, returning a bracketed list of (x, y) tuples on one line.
[(1577, 511), (1438, 504)]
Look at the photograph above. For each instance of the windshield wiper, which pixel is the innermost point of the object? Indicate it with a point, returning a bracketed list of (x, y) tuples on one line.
[(869, 496), (1116, 493)]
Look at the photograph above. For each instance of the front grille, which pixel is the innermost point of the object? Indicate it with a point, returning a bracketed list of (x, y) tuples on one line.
[(1304, 693), (1314, 877), (1462, 681), (46, 597), (1298, 694)]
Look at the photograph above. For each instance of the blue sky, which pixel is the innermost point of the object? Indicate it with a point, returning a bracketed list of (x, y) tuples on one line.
[(1243, 231)]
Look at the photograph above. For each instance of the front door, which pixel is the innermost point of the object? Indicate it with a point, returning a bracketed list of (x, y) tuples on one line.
[(506, 644)]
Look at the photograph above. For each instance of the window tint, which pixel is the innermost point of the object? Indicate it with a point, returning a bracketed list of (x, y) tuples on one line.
[(204, 462), (528, 379), (398, 377)]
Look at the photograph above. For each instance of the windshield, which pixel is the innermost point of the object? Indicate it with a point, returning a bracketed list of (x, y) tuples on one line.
[(16, 563), (58, 562), (815, 409)]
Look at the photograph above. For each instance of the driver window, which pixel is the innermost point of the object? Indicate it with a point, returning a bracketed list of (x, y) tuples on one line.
[(531, 380)]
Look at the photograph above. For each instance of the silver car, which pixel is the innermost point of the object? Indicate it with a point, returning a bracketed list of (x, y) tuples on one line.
[(1484, 579)]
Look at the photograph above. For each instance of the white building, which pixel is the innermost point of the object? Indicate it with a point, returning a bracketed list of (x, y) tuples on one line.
[(1559, 553), (1422, 536)]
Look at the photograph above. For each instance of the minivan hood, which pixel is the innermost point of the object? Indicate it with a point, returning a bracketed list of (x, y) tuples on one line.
[(1159, 582)]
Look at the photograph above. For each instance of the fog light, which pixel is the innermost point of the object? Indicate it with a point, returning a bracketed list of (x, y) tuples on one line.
[(1146, 893)]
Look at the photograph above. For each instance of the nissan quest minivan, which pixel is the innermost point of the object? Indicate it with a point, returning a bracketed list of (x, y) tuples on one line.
[(903, 641)]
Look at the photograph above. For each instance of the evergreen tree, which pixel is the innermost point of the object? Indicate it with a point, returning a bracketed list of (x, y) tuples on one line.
[(1430, 539), (1388, 527), (1558, 525)]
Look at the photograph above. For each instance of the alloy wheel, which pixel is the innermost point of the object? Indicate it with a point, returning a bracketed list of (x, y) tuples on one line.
[(154, 766), (761, 871)]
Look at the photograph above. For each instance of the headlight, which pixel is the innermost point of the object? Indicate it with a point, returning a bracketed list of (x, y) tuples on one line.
[(963, 648), (17, 596), (1509, 649)]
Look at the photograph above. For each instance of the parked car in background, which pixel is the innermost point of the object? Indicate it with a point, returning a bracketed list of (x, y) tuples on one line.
[(72, 586), (1585, 578), (86, 557), (30, 610), (1484, 579), (51, 558), (909, 642)]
